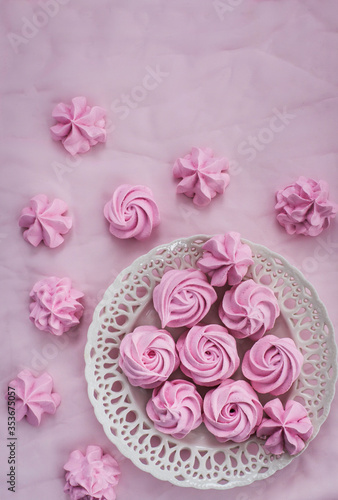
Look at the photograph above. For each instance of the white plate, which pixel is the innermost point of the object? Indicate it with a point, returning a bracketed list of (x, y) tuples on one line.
[(199, 460)]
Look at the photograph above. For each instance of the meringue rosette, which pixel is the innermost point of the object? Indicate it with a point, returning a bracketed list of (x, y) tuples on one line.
[(132, 212), (79, 126), (175, 408), (232, 411), (55, 306), (208, 354), (45, 221), (272, 365), (148, 356), (91, 476), (202, 175), (183, 297), (304, 208), (34, 396), (285, 430), (225, 259), (249, 310)]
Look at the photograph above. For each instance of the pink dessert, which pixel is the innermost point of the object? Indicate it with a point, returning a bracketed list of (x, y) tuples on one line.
[(272, 365), (45, 221), (249, 310), (148, 356), (225, 259), (183, 297), (208, 354), (34, 396), (54, 306), (91, 476), (175, 408), (285, 430), (232, 411), (202, 175), (304, 207), (132, 212), (79, 126)]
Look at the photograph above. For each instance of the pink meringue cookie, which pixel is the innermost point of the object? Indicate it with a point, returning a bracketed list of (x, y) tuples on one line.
[(45, 221), (286, 430), (148, 356), (232, 411), (249, 310), (54, 306), (91, 476), (225, 259), (203, 175), (272, 365), (132, 212), (79, 126), (175, 408), (304, 208), (183, 297), (208, 354), (34, 396)]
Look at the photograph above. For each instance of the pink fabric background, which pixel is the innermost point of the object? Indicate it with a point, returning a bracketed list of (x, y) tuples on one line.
[(226, 68)]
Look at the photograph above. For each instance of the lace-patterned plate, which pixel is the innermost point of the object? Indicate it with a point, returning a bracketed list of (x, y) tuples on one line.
[(199, 460)]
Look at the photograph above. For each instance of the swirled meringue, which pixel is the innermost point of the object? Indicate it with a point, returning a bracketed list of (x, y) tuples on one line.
[(175, 408), (208, 354), (91, 476), (286, 430), (272, 364), (249, 310), (232, 411), (225, 259), (79, 126), (148, 356), (54, 306), (45, 221), (203, 175), (183, 297), (132, 212), (304, 208), (34, 396)]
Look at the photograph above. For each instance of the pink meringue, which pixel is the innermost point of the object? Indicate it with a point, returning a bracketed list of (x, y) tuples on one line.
[(54, 305), (34, 396), (232, 411), (148, 356), (91, 476), (203, 175), (45, 221), (208, 354), (225, 259), (304, 208), (249, 310), (183, 297), (286, 430), (79, 126), (272, 365), (175, 408), (132, 212)]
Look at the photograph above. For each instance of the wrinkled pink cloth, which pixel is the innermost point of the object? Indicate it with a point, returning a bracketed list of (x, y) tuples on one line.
[(92, 475), (175, 408), (148, 356), (132, 212), (285, 430), (202, 175), (45, 221), (34, 396), (79, 126), (54, 306), (304, 208), (225, 259)]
